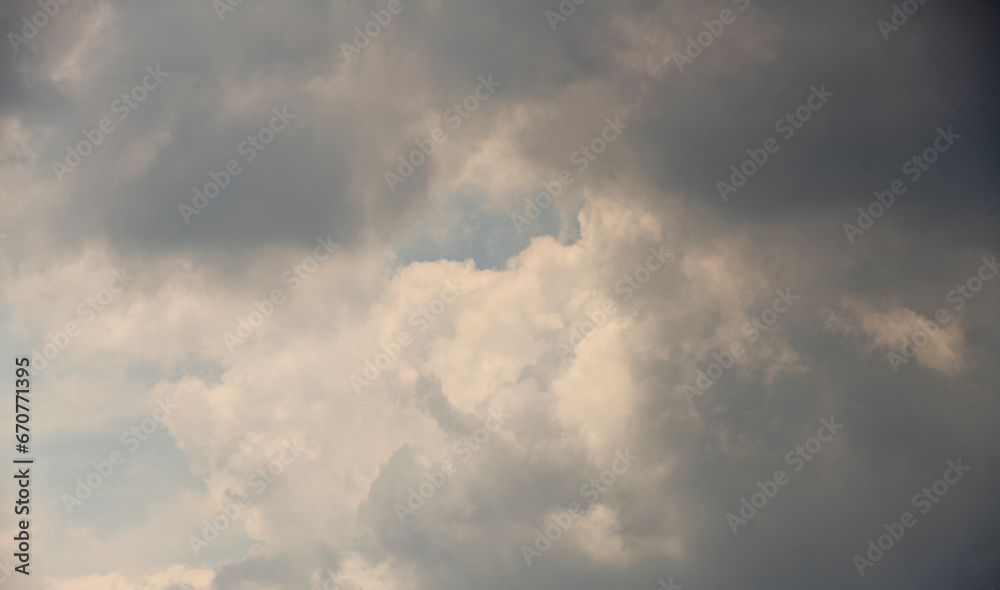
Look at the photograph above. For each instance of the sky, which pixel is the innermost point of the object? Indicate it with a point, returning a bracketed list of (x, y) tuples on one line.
[(483, 294)]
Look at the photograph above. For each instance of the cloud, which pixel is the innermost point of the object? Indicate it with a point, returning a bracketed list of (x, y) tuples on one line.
[(384, 360), (942, 348)]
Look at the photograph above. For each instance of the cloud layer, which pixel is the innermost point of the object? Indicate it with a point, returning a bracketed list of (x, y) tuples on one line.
[(560, 353)]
